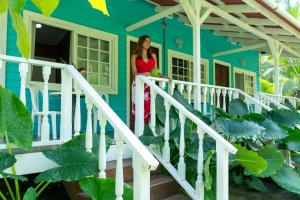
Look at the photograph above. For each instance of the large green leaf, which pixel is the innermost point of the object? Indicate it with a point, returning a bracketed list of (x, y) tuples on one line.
[(256, 184), (3, 6), (237, 107), (274, 158), (285, 117), (6, 160), (13, 177), (288, 179), (73, 164), (46, 6), (250, 160), (16, 5), (203, 117), (208, 178), (238, 128), (79, 143), (15, 120), (23, 42), (104, 189), (160, 109), (180, 98), (272, 130), (148, 140), (288, 104), (219, 112), (30, 194)]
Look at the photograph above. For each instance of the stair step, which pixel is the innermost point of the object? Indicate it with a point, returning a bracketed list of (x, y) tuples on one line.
[(178, 197)]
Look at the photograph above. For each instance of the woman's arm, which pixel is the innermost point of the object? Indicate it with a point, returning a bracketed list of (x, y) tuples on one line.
[(133, 67)]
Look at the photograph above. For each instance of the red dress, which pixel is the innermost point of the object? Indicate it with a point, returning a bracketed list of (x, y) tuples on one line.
[(143, 67)]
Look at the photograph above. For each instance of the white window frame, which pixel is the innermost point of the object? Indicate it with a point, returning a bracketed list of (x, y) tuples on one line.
[(245, 72), (3, 40), (184, 56), (75, 29)]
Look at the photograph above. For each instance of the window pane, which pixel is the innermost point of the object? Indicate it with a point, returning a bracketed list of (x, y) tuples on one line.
[(93, 67), (94, 55), (93, 78), (104, 80), (82, 40), (82, 53), (104, 68), (104, 57), (81, 64), (104, 45), (93, 43)]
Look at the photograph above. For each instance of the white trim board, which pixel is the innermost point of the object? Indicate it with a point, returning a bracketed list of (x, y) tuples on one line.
[(226, 64), (3, 43), (128, 67)]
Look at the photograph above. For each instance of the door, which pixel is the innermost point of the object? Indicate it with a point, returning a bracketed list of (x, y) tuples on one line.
[(222, 79), (133, 47), (239, 80)]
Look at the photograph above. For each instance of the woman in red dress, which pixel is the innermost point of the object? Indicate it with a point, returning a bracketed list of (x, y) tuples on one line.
[(142, 63)]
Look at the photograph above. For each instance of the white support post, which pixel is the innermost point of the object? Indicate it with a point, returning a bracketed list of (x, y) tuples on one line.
[(181, 163), (139, 107), (166, 148), (66, 106), (45, 136), (77, 118), (89, 129), (222, 172), (141, 180), (199, 182), (23, 69), (276, 50), (102, 146)]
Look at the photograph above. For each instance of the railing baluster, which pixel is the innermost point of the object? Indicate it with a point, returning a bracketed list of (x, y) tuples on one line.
[(222, 172), (166, 149), (77, 119), (172, 88), (230, 95), (199, 182), (153, 111), (102, 146), (212, 99), (235, 94), (205, 100), (89, 131), (181, 164), (189, 89), (181, 88), (119, 168), (224, 92), (218, 97), (162, 84), (23, 69), (45, 136)]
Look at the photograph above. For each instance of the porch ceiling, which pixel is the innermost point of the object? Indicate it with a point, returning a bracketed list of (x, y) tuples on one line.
[(262, 15)]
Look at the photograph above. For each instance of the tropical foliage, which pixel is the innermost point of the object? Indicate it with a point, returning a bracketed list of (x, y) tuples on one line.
[(263, 142), (72, 160), (15, 8)]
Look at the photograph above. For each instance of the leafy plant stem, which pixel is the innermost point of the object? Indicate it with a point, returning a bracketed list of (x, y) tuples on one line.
[(38, 186), (42, 189), (9, 189), (13, 167), (2, 196)]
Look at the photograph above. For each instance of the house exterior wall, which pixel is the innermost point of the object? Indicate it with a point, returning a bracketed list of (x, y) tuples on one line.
[(123, 13)]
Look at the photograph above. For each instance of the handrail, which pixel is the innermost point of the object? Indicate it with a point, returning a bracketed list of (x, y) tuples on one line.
[(276, 103), (190, 115), (141, 151)]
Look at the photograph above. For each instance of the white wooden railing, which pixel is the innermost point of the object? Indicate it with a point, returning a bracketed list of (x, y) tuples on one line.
[(270, 98), (212, 95), (223, 148), (143, 160)]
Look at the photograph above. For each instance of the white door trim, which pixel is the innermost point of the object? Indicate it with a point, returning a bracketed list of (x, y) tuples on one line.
[(226, 64), (3, 43), (128, 40)]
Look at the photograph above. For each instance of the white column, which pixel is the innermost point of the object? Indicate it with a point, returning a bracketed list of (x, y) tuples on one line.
[(141, 180), (66, 106), (45, 136), (276, 50), (119, 168), (89, 130), (23, 69), (139, 107), (222, 172), (77, 118)]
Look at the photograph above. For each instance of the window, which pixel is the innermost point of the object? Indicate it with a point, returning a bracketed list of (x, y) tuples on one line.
[(182, 67), (245, 80), (94, 61), (93, 52)]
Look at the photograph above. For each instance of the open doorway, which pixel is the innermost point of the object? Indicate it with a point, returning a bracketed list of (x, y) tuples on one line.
[(132, 50), (50, 44), (222, 78)]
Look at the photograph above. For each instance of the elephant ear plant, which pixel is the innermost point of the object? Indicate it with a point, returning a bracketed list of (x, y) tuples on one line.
[(265, 142), (73, 163)]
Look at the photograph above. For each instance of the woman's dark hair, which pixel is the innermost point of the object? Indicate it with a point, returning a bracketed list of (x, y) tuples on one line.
[(140, 47)]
